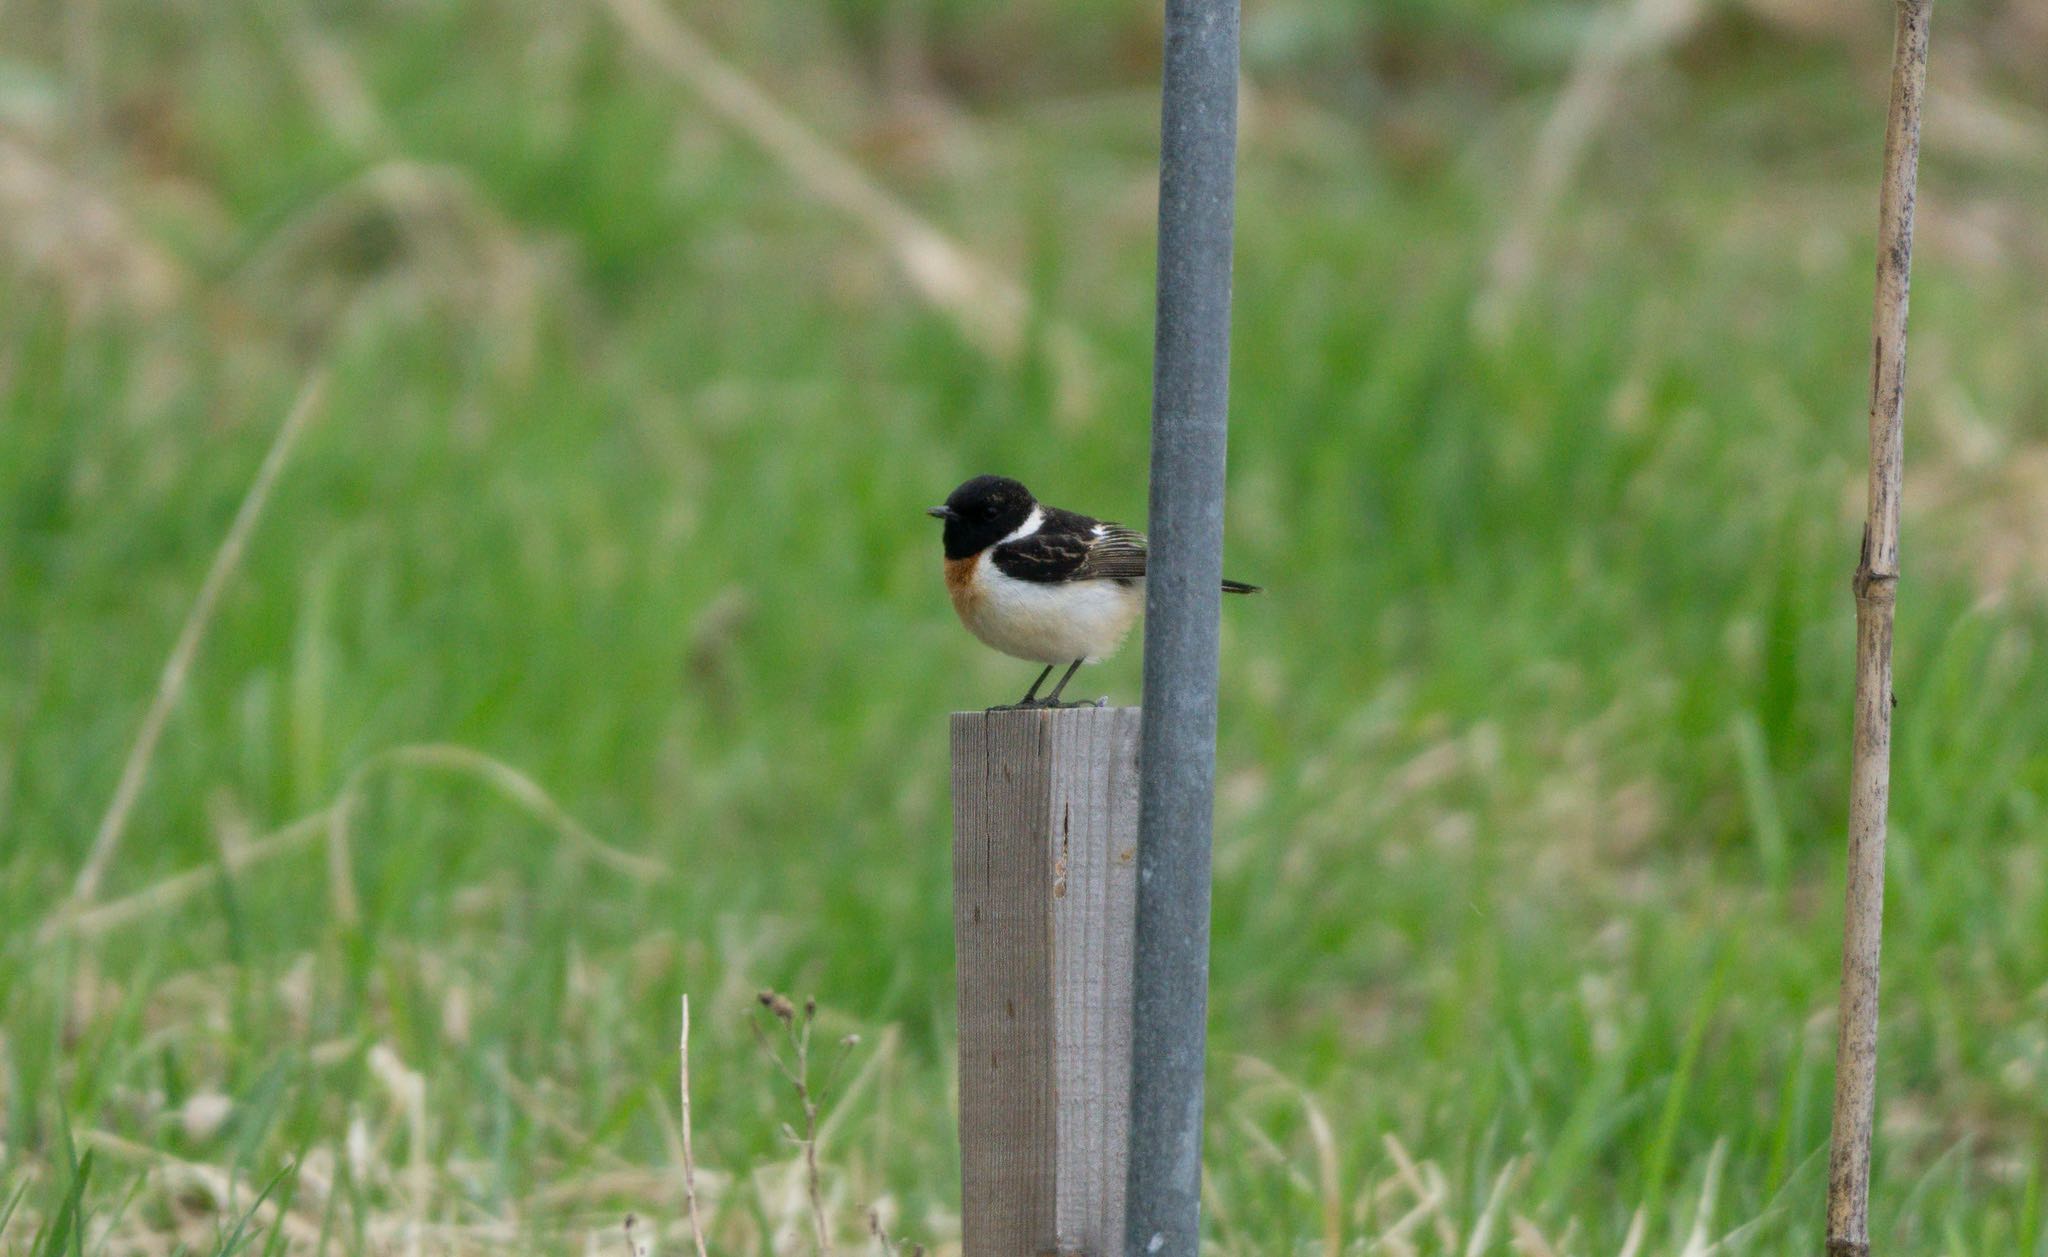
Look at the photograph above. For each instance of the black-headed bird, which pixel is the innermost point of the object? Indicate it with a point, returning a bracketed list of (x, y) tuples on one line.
[(1040, 583)]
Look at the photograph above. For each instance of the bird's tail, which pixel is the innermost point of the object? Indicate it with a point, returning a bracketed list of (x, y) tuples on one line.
[(1239, 587)]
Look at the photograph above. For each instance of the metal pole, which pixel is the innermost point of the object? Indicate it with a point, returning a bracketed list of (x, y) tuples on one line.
[(1190, 393)]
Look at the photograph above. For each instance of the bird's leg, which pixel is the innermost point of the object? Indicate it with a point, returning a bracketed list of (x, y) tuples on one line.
[(1032, 693), (1053, 699), (1030, 698)]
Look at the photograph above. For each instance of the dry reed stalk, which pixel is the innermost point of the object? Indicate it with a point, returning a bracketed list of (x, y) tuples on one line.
[(1876, 588), (178, 667)]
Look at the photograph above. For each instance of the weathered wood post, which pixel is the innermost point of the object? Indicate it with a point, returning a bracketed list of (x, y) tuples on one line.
[(1045, 851)]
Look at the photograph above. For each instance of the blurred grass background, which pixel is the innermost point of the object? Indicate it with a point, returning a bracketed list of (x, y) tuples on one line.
[(1551, 356)]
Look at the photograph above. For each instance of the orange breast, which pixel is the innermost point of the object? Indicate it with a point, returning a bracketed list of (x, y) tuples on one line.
[(961, 585)]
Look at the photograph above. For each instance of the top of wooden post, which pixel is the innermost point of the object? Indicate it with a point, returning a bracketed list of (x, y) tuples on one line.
[(1045, 868)]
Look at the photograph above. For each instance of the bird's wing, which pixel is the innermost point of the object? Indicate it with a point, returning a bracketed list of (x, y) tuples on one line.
[(1116, 553), (1070, 547)]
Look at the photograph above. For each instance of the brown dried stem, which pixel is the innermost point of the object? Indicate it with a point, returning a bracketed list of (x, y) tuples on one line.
[(889, 1244), (1876, 583), (796, 1027)]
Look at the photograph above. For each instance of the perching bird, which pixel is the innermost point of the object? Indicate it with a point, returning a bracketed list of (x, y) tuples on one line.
[(1041, 583)]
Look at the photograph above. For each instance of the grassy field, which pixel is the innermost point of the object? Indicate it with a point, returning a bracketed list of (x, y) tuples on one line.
[(607, 531)]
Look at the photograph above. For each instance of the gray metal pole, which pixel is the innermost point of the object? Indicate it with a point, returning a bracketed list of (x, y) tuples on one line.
[(1190, 394)]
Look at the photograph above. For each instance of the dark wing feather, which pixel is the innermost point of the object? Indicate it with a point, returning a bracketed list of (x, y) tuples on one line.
[(1118, 553), (1069, 547)]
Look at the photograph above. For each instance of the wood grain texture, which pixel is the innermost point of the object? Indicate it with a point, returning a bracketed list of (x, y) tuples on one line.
[(1094, 919), (1045, 808)]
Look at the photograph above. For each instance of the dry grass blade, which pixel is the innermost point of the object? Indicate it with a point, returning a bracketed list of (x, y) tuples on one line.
[(536, 1108), (1529, 1241), (334, 84), (408, 1088), (990, 308), (797, 1023), (1482, 1230), (178, 666), (1876, 590), (517, 787), (1330, 1190), (1589, 99), (332, 822), (689, 1155), (1429, 1202), (341, 878), (221, 1187), (1638, 1229), (863, 1078), (35, 673), (1697, 1244), (63, 231), (452, 248), (176, 889)]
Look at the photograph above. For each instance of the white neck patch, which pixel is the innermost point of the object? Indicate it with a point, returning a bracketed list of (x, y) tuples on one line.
[(1031, 524)]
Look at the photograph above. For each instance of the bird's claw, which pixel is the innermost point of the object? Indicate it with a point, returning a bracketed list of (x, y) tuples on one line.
[(1046, 704)]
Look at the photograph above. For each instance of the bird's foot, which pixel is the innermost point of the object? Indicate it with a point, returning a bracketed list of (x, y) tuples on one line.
[(1047, 705)]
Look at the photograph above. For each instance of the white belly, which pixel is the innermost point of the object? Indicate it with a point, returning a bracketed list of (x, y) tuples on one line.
[(1050, 623)]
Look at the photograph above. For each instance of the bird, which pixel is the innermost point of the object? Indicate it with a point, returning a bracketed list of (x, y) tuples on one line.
[(1039, 583)]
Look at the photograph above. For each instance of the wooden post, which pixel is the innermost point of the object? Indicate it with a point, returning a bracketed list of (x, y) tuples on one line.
[(1045, 867)]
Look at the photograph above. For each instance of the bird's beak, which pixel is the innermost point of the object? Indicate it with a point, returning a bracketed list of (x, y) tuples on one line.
[(939, 512)]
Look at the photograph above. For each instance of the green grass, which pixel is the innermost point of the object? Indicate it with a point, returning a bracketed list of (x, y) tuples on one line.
[(1533, 758)]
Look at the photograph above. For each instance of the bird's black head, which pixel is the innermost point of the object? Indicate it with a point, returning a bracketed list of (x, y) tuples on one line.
[(982, 512)]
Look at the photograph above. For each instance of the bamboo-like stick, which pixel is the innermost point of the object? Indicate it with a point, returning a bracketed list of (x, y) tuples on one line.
[(1876, 587)]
